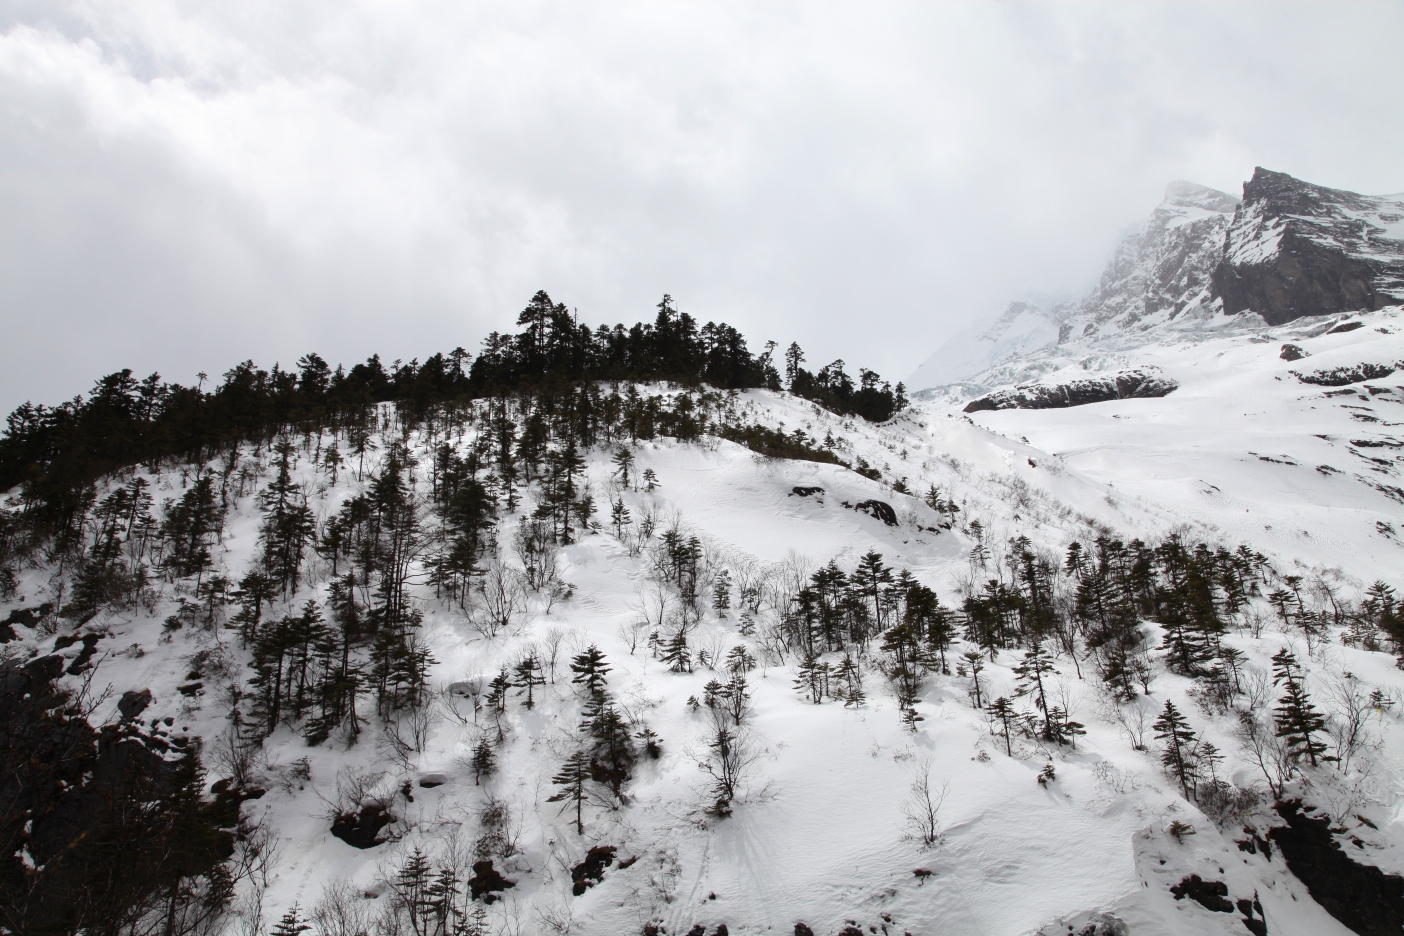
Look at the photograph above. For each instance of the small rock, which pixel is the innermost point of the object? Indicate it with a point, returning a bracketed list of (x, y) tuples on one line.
[(133, 703)]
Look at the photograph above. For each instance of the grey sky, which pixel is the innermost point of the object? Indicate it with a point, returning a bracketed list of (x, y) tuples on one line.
[(185, 185)]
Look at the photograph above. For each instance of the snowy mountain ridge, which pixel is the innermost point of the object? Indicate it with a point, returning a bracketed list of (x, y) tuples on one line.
[(1203, 263)]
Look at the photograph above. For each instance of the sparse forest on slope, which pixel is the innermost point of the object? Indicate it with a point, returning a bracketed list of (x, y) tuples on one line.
[(526, 644), (56, 453)]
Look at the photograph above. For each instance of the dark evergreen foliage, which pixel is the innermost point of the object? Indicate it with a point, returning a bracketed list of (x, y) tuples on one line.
[(57, 452)]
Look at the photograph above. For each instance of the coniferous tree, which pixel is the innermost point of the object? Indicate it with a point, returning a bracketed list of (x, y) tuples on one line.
[(1297, 719), (527, 676), (1178, 755), (1002, 713), (484, 761), (677, 655), (190, 525), (1031, 673), (590, 671), (288, 524), (412, 885), (811, 678), (721, 593), (613, 755), (290, 923), (496, 699), (869, 579), (573, 780), (739, 660), (623, 463), (619, 517), (850, 674), (974, 662)]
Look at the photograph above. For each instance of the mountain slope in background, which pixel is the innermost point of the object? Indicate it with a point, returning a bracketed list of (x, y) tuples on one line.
[(1202, 264)]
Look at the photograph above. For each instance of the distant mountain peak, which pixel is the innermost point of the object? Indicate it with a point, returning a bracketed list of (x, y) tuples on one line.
[(1193, 195), (1288, 249)]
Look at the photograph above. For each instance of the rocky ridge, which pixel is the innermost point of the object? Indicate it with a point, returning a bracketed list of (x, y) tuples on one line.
[(1296, 249)]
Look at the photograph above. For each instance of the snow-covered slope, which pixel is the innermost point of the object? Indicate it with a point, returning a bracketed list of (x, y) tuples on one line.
[(1242, 453)]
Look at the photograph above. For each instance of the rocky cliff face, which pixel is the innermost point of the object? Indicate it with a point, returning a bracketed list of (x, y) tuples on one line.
[(1295, 249)]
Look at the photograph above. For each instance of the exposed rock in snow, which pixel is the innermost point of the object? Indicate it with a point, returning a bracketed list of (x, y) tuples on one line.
[(1296, 249), (1120, 386), (1203, 264)]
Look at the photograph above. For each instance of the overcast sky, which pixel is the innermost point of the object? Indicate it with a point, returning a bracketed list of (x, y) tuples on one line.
[(185, 185)]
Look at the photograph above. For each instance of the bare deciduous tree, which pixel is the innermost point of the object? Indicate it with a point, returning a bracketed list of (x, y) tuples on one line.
[(923, 806), (730, 755), (1350, 706), (503, 596), (551, 649)]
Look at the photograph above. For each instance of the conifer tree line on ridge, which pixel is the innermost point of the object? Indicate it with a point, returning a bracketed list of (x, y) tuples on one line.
[(57, 452)]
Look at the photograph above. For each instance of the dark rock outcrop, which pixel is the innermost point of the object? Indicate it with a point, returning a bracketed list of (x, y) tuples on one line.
[(1296, 249), (591, 871), (133, 703), (362, 829), (1211, 895), (98, 822), (1362, 897), (878, 510), (24, 617), (1120, 386), (486, 881), (1340, 376)]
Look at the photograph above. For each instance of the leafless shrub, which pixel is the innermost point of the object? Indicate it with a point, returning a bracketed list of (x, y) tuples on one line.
[(1350, 706), (1131, 718), (255, 855), (1224, 802), (463, 700), (631, 633), (233, 755), (654, 604), (534, 542), (503, 598), (290, 777), (341, 911), (556, 917), (408, 734), (728, 757), (1258, 741), (551, 649), (356, 788), (922, 808)]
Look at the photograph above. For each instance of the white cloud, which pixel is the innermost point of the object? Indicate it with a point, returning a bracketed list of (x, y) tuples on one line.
[(185, 185)]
